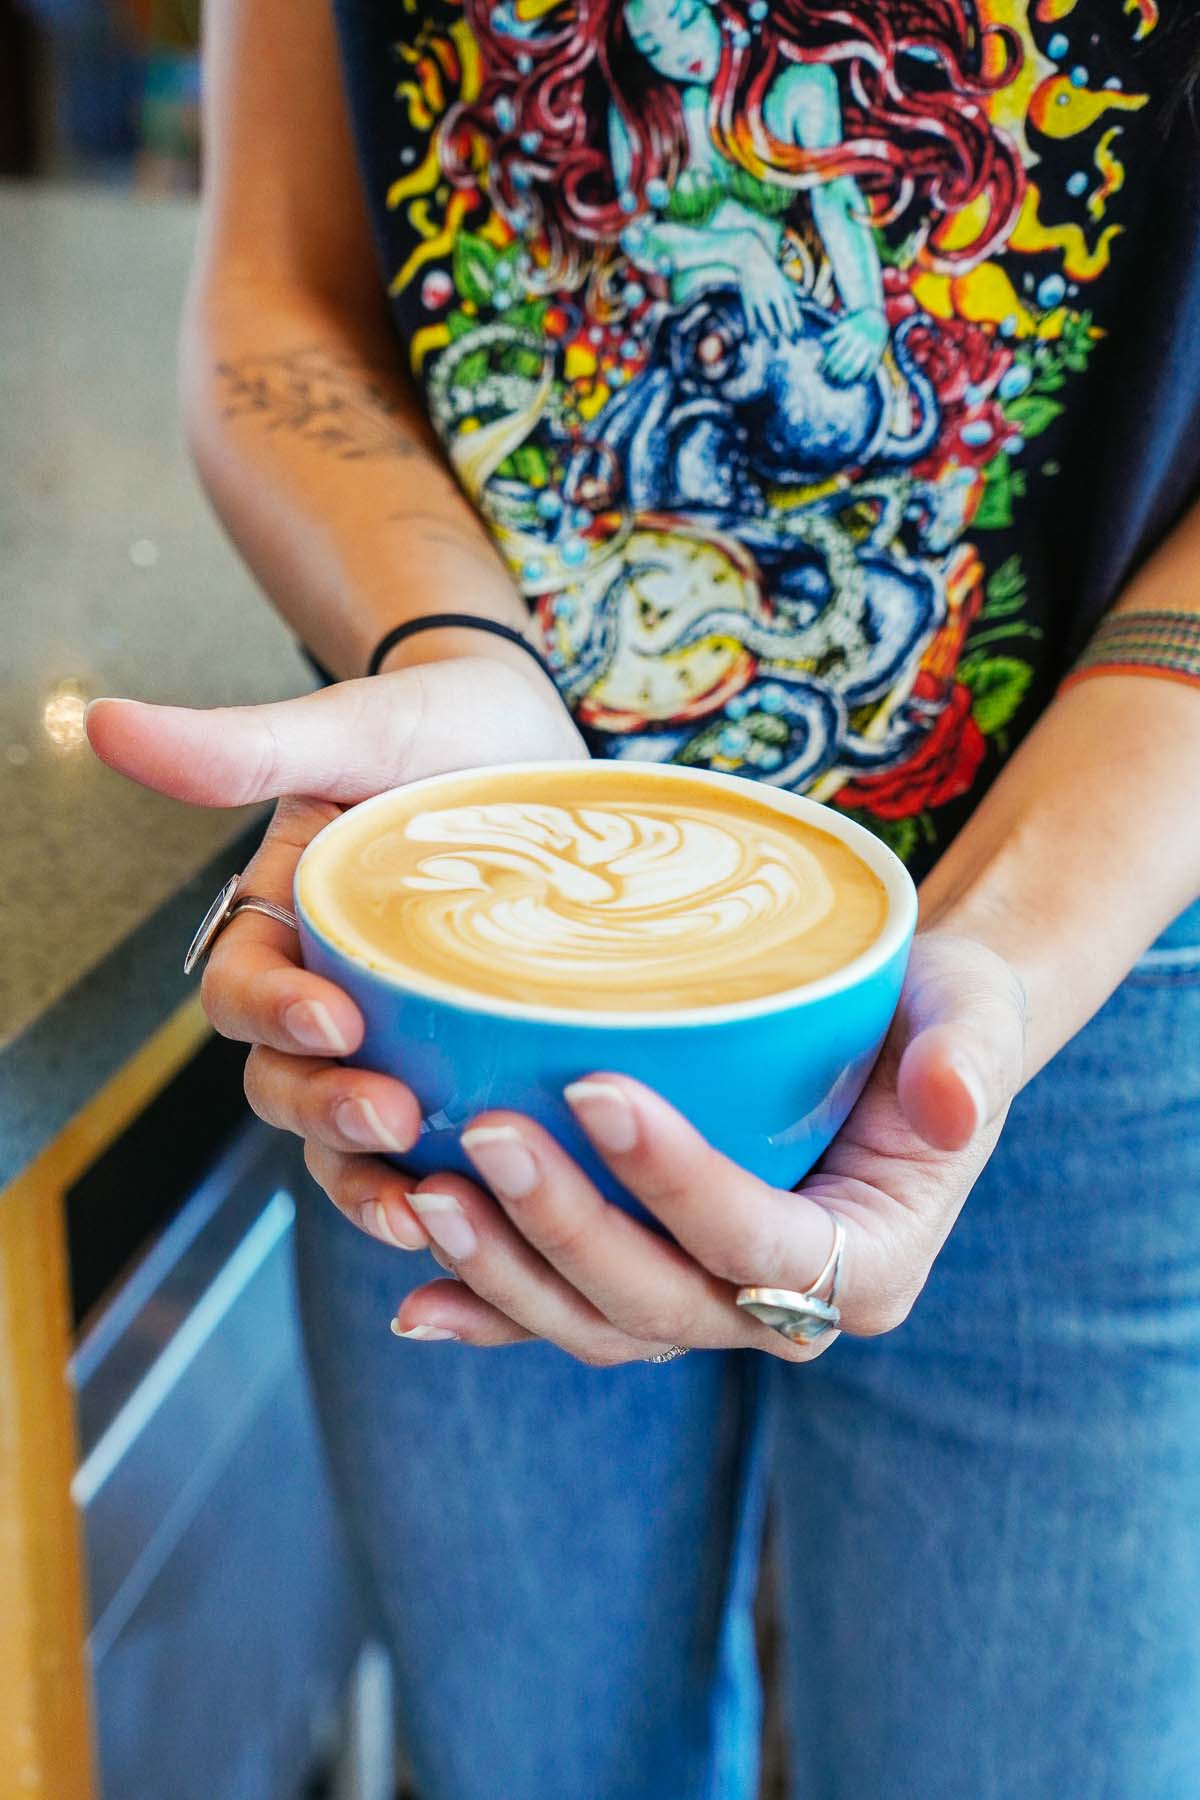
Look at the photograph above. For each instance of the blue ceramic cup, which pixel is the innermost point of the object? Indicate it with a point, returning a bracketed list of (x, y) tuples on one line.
[(768, 1081)]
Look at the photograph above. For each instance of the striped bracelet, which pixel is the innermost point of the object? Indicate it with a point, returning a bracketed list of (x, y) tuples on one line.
[(1163, 643)]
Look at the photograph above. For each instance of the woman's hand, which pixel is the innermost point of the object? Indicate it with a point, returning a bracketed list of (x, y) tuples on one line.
[(330, 748), (854, 346), (769, 298), (548, 1257)]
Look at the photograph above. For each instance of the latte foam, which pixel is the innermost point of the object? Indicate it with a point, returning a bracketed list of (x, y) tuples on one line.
[(608, 891)]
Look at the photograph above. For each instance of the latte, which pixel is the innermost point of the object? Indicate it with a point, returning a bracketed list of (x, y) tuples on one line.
[(590, 887)]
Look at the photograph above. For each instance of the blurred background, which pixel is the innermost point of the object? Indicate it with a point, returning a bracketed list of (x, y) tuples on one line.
[(101, 90), (179, 1618)]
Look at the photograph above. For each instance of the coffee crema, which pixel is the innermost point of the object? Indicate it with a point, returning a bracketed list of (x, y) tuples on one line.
[(592, 887)]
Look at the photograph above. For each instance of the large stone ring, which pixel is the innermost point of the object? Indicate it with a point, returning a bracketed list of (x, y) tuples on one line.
[(228, 903), (801, 1317)]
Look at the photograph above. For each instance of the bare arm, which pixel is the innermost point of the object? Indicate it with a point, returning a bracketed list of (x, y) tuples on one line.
[(307, 436), (1088, 843), (803, 104)]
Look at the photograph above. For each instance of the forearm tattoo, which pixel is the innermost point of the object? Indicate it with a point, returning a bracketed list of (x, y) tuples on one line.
[(321, 396)]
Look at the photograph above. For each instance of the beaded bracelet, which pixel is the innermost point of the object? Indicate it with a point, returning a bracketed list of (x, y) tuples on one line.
[(1164, 643)]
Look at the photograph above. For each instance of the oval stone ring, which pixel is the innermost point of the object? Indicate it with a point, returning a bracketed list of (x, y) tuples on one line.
[(228, 903), (801, 1317)]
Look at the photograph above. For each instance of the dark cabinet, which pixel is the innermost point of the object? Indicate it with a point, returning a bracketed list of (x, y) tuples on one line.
[(224, 1622)]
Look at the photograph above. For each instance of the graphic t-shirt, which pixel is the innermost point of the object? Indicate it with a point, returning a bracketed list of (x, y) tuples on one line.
[(822, 371)]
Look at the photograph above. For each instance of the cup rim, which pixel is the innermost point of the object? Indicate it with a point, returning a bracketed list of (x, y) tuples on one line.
[(880, 859)]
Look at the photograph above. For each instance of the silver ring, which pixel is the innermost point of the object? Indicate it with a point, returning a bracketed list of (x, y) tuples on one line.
[(669, 1355), (801, 1317), (228, 903)]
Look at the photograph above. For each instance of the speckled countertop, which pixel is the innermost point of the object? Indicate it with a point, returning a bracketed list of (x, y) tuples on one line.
[(114, 579)]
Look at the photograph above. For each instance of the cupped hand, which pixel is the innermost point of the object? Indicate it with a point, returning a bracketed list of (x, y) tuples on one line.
[(321, 753), (543, 1255)]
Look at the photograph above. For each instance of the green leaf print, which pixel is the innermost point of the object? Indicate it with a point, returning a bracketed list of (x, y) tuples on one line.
[(1049, 362), (472, 370), (1077, 339), (997, 685), (1002, 484), (531, 465), (1032, 413), (1005, 590), (527, 315), (474, 268), (520, 361)]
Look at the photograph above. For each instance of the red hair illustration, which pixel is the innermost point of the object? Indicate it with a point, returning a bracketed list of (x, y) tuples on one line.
[(912, 76)]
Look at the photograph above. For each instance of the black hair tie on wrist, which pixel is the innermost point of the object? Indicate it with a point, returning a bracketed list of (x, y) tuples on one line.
[(455, 621)]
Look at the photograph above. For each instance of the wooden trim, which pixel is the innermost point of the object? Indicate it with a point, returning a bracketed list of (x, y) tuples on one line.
[(46, 1750)]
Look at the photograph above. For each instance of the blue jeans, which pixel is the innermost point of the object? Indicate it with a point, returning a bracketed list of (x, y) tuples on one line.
[(988, 1521)]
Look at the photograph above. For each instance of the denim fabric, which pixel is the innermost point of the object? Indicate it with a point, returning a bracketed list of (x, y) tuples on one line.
[(989, 1520)]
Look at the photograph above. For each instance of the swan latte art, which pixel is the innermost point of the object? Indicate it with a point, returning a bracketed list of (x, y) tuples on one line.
[(591, 887)]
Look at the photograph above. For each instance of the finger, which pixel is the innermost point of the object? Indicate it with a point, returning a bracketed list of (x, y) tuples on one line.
[(342, 743), (651, 1290), (736, 1226), (370, 1193), (496, 1262), (858, 361), (445, 1309), (254, 989), (339, 743), (961, 1033), (757, 316), (348, 1109), (835, 365)]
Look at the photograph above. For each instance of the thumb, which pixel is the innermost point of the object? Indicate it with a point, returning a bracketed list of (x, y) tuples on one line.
[(342, 743), (329, 744), (962, 1028)]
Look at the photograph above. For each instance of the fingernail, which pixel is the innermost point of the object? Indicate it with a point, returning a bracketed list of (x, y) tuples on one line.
[(604, 1113), (503, 1160), (446, 1223), (312, 1025), (426, 1333), (358, 1120), (971, 1079), (403, 1233)]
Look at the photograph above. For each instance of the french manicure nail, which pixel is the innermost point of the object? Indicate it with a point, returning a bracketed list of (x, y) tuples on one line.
[(406, 1235), (427, 1333), (604, 1113), (446, 1222), (312, 1025), (971, 1079), (358, 1120), (502, 1159)]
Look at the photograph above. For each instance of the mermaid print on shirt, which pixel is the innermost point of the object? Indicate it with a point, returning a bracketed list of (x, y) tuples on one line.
[(720, 314)]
